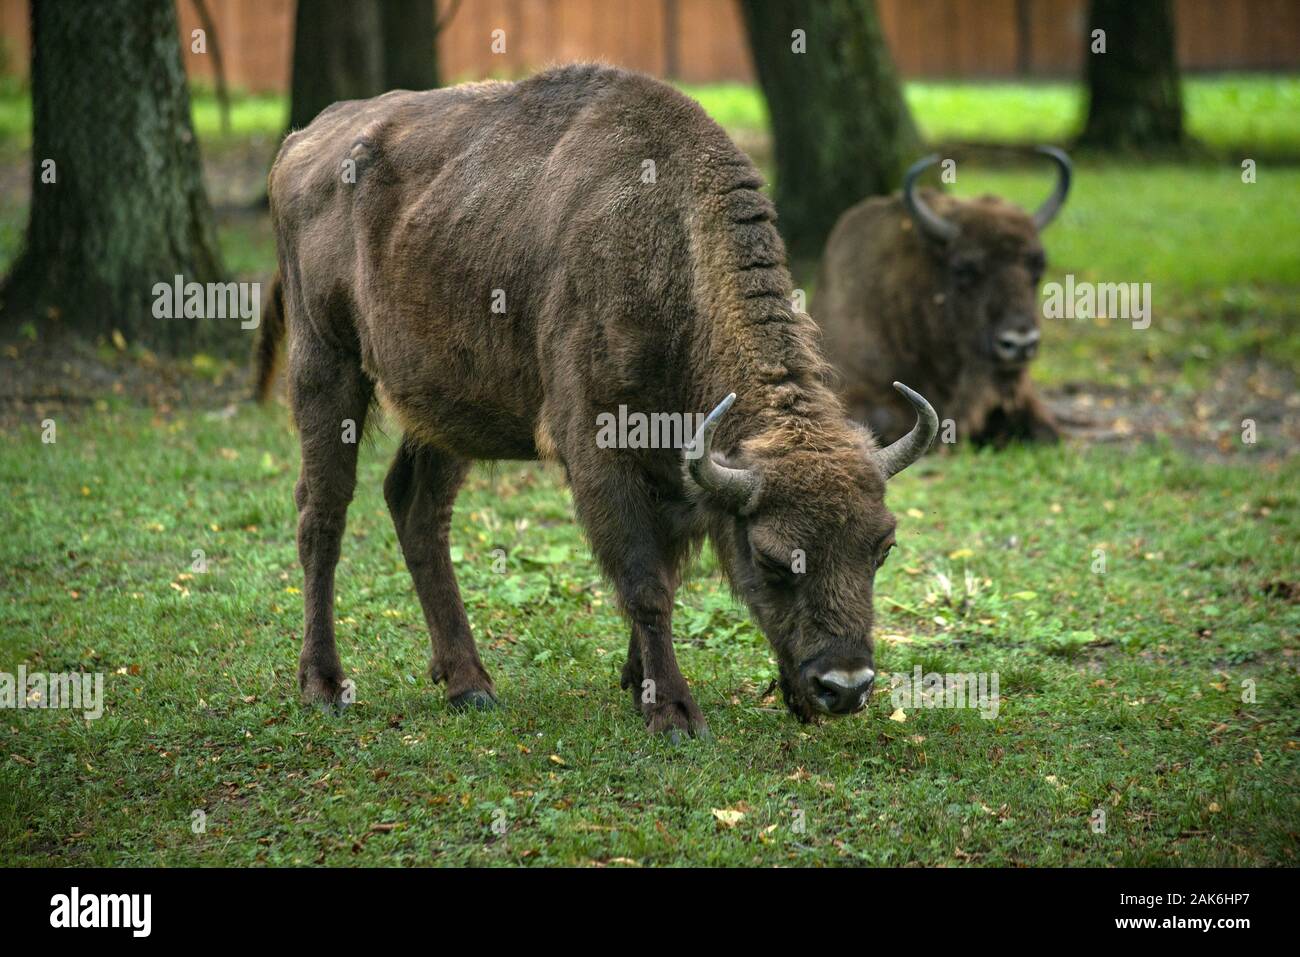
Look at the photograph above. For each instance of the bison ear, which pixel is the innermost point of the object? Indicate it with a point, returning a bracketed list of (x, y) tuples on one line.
[(734, 489)]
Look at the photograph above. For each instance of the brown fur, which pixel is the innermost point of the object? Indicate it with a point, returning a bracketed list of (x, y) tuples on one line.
[(894, 303), (663, 297)]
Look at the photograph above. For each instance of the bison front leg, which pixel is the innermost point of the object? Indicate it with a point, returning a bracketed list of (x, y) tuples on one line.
[(658, 688), (634, 544), (1023, 418), (1030, 421), (420, 490)]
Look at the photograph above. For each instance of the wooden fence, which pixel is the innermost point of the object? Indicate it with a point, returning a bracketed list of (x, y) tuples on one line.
[(704, 40)]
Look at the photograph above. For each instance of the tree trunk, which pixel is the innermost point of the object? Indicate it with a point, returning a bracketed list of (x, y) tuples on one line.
[(126, 208), (840, 126), (1134, 95), (337, 55), (410, 44)]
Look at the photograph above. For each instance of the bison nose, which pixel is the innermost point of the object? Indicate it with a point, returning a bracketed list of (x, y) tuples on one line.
[(1013, 346), (840, 690)]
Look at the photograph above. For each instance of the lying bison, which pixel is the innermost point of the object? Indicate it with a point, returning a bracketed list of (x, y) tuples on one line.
[(941, 292), (503, 263)]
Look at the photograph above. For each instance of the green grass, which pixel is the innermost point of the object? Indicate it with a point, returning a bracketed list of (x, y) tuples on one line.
[(1120, 690)]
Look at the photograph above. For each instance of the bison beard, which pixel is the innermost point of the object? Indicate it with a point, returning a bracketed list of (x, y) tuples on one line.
[(491, 261), (941, 292)]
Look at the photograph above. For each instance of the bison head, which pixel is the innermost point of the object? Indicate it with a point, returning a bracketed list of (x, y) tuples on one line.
[(801, 527), (990, 260)]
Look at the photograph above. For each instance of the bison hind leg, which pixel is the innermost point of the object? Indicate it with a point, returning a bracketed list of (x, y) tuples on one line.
[(330, 396), (420, 491)]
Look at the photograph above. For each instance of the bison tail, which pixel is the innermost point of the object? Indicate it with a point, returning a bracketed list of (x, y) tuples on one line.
[(266, 347)]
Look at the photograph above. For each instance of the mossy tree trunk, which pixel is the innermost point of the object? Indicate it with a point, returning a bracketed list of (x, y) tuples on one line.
[(118, 203), (841, 128), (1134, 91)]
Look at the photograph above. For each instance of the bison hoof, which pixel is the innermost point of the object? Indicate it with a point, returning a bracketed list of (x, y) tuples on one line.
[(324, 691), (677, 720), (474, 700)]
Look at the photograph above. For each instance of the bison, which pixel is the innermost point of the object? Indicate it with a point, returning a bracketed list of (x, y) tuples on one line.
[(501, 264), (941, 292)]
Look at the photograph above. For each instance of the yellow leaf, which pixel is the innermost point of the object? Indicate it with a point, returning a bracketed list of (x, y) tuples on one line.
[(728, 817), (960, 553), (915, 513), (556, 759), (899, 715)]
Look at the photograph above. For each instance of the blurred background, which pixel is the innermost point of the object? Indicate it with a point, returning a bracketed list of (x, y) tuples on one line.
[(1160, 125), (703, 41)]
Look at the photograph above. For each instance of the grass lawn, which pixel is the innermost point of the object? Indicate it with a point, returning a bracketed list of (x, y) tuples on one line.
[(1119, 690), (1138, 603)]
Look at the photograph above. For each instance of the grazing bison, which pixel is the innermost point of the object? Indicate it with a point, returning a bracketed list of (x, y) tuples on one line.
[(940, 292), (503, 263)]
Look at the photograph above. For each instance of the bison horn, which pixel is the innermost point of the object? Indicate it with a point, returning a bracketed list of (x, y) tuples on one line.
[(736, 487), (899, 455), (1047, 212), (931, 223)]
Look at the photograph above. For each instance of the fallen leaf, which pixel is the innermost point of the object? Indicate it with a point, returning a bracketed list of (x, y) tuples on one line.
[(728, 817)]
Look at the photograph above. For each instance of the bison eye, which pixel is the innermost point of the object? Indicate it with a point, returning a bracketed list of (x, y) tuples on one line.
[(774, 567), (967, 272), (884, 554), (1036, 263)]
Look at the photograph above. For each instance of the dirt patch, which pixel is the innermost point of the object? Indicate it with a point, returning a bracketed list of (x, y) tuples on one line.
[(1250, 412), (73, 379), (70, 379)]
